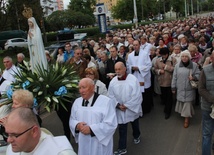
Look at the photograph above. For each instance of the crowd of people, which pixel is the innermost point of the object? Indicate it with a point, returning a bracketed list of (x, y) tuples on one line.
[(121, 73)]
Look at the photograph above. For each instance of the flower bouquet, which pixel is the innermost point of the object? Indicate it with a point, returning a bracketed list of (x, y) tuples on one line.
[(52, 87)]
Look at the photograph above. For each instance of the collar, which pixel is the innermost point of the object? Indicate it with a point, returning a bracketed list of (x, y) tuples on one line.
[(114, 58), (189, 66), (90, 100), (136, 53), (123, 77), (78, 62), (183, 45)]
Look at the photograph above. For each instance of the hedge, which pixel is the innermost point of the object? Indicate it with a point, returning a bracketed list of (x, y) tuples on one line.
[(94, 32)]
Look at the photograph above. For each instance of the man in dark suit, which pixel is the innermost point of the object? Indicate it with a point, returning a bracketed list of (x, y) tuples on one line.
[(111, 62)]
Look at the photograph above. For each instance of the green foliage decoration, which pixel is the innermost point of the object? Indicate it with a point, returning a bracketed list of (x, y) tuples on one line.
[(51, 88)]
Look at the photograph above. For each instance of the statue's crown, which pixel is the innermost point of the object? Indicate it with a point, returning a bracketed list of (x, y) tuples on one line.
[(27, 12)]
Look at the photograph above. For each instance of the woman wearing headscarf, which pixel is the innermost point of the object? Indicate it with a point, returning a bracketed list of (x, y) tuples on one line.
[(185, 71)]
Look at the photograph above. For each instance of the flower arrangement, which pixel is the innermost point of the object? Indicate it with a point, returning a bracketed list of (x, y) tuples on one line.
[(51, 88)]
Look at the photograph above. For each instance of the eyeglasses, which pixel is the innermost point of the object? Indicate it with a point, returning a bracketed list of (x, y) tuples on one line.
[(17, 135)]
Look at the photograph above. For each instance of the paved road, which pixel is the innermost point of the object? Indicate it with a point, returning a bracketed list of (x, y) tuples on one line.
[(158, 136)]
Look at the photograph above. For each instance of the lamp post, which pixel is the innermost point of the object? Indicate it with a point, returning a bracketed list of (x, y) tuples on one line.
[(185, 6), (135, 20), (191, 7), (142, 8)]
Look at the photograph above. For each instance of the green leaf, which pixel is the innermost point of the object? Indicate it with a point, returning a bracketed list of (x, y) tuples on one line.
[(30, 79), (48, 108)]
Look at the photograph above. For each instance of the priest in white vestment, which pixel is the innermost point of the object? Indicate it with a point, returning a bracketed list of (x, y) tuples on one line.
[(124, 89), (4, 86), (10, 69), (139, 64), (93, 121), (26, 137)]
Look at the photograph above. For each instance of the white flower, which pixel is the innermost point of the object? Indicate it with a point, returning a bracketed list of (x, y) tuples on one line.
[(40, 92), (48, 99), (55, 99), (41, 79)]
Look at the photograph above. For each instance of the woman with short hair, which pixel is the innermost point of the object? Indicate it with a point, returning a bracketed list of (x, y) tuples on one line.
[(100, 87), (185, 71)]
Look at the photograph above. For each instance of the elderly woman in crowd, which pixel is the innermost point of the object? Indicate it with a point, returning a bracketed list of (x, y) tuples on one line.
[(24, 98), (177, 52), (154, 51), (21, 98), (164, 67), (100, 87), (185, 71), (196, 56), (161, 43)]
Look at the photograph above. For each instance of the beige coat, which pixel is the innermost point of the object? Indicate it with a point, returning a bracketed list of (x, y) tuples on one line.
[(165, 78)]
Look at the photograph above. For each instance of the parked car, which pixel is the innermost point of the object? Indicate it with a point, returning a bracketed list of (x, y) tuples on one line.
[(53, 48), (5, 35), (15, 42)]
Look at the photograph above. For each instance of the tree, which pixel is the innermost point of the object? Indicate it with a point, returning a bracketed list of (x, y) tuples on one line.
[(79, 19), (15, 8), (149, 7), (68, 19), (58, 20), (3, 15), (178, 7), (85, 6), (123, 10)]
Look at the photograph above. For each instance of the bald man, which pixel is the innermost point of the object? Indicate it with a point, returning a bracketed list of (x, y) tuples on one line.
[(26, 137), (93, 121), (124, 89)]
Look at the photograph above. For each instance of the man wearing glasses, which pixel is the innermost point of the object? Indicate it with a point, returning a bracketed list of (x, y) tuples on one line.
[(78, 62), (26, 137)]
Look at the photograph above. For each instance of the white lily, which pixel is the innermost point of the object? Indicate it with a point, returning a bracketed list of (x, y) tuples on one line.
[(55, 99), (48, 99), (40, 93)]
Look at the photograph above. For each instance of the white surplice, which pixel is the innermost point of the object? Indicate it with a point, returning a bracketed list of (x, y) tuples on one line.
[(144, 64), (126, 92), (101, 118), (5, 86), (48, 145), (9, 74)]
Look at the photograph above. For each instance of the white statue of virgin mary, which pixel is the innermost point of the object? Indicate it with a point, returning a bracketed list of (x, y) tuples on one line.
[(36, 46)]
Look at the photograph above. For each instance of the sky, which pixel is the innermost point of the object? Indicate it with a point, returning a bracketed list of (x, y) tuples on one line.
[(66, 2)]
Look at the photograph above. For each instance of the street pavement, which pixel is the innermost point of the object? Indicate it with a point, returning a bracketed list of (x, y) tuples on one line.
[(158, 136)]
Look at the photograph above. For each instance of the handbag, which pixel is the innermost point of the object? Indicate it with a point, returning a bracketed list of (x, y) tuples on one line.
[(193, 83)]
